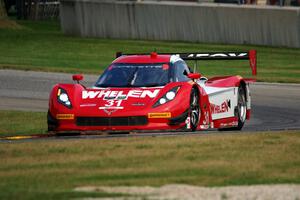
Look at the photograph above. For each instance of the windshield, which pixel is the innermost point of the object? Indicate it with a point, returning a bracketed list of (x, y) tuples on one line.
[(135, 75)]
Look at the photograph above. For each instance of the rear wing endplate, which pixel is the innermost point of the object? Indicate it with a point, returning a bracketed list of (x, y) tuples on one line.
[(249, 55)]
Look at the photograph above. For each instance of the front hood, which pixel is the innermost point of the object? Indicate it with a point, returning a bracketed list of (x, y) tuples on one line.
[(111, 100)]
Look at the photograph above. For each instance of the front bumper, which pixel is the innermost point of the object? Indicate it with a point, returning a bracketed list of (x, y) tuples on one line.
[(123, 123)]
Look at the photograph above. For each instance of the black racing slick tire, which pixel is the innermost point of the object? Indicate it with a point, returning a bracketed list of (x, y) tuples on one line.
[(194, 110), (51, 122), (240, 110)]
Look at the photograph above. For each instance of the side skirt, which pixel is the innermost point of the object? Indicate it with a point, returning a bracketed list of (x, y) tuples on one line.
[(225, 122)]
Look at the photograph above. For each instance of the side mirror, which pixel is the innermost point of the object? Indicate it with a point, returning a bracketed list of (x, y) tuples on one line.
[(77, 77), (194, 75)]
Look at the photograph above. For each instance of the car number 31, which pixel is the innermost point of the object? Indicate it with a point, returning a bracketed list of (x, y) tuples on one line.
[(113, 103)]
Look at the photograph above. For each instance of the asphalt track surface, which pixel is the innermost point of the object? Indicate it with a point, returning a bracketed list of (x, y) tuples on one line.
[(274, 106)]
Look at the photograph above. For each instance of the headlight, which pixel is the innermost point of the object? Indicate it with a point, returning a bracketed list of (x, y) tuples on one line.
[(162, 100), (63, 98), (169, 96)]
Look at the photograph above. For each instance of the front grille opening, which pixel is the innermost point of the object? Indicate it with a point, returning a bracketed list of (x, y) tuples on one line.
[(112, 121)]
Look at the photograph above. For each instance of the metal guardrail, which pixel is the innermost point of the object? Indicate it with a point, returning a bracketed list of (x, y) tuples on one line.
[(45, 9), (240, 2), (181, 21)]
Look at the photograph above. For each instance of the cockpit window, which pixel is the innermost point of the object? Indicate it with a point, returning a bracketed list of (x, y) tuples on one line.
[(135, 75)]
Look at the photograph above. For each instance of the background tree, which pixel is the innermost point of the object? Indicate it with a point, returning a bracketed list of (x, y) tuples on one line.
[(3, 13)]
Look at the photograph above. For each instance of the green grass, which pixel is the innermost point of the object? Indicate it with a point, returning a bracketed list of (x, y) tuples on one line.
[(42, 46), (22, 123), (52, 169)]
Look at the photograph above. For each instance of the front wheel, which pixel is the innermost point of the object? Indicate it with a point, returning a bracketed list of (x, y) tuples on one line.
[(194, 111), (51, 122)]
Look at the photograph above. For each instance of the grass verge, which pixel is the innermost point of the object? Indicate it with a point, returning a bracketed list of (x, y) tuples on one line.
[(42, 46), (51, 169), (22, 123)]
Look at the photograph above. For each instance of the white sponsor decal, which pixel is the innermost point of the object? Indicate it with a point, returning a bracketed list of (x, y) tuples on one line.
[(115, 108), (111, 106), (188, 122), (88, 105), (119, 95), (199, 55), (224, 107), (206, 118), (204, 126), (230, 124)]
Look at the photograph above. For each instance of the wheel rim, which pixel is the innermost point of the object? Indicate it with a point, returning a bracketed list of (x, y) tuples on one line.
[(195, 110), (242, 107)]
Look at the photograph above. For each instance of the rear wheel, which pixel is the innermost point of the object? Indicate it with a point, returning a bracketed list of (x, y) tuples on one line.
[(240, 111), (194, 111), (241, 108)]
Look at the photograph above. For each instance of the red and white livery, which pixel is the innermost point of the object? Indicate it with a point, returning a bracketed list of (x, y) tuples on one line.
[(153, 92)]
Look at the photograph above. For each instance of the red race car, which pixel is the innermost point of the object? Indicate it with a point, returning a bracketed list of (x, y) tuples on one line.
[(153, 92)]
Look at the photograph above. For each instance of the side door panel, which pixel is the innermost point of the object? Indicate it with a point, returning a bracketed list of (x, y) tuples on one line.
[(222, 101)]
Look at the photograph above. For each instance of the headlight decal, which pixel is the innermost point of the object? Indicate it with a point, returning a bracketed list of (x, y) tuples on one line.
[(169, 96), (63, 98)]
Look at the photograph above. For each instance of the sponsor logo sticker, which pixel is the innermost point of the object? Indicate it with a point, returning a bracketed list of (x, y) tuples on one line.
[(224, 107), (188, 122), (65, 116), (119, 95), (138, 104), (109, 112), (159, 115), (88, 105), (230, 124), (213, 55)]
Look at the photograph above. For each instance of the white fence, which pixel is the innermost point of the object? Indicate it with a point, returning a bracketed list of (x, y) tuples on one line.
[(194, 22)]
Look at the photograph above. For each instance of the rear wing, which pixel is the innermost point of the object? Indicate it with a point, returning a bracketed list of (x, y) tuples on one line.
[(249, 55)]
